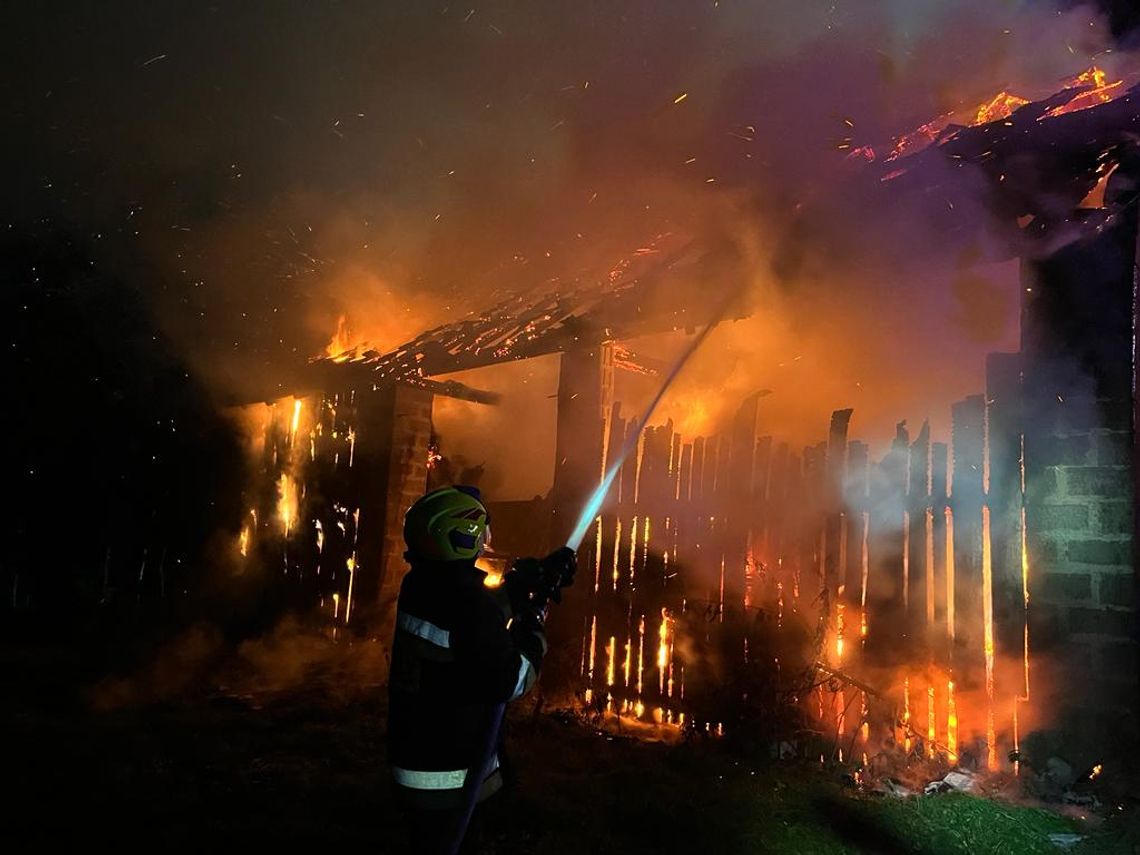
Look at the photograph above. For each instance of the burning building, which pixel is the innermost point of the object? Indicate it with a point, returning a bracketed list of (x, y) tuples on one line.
[(945, 599)]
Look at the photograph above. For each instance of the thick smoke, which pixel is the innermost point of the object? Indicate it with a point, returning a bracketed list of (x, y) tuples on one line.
[(283, 164)]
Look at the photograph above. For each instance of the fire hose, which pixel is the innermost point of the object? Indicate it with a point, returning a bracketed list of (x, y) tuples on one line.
[(477, 773)]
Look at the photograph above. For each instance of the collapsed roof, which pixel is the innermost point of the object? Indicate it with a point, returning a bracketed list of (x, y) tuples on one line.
[(1037, 161)]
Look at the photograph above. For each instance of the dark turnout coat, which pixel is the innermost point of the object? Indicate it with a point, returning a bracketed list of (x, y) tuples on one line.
[(454, 659)]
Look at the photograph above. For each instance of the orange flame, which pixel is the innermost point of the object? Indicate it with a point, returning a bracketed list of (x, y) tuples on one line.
[(930, 726), (1000, 107), (341, 347), (906, 713), (951, 721), (494, 571), (1098, 91), (840, 629)]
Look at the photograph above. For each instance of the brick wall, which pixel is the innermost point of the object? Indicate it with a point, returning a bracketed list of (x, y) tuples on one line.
[(1077, 321), (406, 481)]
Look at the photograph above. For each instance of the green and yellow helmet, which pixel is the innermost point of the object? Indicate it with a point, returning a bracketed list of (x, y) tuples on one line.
[(448, 524)]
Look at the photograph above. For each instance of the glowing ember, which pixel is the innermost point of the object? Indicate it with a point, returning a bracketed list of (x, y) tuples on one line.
[(593, 647), (640, 654), (644, 550), (720, 602), (632, 549), (626, 360), (951, 721), (663, 649), (286, 502), (350, 565), (296, 421)]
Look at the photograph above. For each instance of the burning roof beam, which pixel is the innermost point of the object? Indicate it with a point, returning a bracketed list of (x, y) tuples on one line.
[(521, 327)]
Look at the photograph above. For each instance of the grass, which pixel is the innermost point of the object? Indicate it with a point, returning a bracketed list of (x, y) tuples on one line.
[(959, 823), (304, 761), (587, 793)]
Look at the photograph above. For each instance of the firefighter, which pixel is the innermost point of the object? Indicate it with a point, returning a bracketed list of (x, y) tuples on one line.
[(460, 650)]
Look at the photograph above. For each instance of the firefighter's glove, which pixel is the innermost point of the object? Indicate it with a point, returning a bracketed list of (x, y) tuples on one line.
[(558, 571)]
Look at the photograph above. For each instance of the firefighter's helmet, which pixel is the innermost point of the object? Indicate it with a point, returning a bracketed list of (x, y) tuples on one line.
[(448, 524)]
